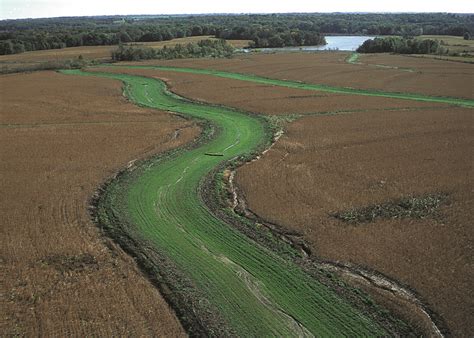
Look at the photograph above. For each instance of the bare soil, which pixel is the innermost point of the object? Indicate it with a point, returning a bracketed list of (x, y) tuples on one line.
[(266, 99), (430, 77), (61, 137), (326, 164)]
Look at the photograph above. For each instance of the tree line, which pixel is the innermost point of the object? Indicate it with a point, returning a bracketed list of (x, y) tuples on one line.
[(264, 30), (262, 37), (400, 45), (203, 48)]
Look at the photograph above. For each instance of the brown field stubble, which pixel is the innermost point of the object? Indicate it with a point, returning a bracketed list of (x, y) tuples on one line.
[(61, 137), (30, 59), (430, 77), (265, 99), (334, 163), (325, 164)]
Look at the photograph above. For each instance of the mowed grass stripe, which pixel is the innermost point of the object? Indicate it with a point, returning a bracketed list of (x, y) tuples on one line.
[(318, 87), (256, 291)]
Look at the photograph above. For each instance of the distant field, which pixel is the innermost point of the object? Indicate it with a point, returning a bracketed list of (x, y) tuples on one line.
[(30, 59), (263, 98), (454, 43), (430, 77), (61, 137), (463, 59)]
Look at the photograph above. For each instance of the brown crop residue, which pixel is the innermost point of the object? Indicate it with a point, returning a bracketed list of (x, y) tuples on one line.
[(30, 59), (265, 99), (328, 164), (430, 77), (316, 170), (61, 137)]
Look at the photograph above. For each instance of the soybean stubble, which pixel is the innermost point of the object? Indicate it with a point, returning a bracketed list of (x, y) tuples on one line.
[(255, 290)]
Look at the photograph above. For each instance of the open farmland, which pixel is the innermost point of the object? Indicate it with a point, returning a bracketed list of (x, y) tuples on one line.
[(335, 163), (456, 44), (29, 60), (265, 98), (460, 50), (332, 69), (254, 290), (323, 164), (391, 134), (61, 137)]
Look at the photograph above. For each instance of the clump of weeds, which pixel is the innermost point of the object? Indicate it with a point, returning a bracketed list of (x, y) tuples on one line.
[(417, 207)]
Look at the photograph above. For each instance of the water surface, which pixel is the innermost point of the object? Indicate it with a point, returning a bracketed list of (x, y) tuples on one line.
[(343, 43)]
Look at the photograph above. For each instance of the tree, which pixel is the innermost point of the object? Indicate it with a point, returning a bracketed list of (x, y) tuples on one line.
[(276, 41), (124, 37), (467, 36), (6, 47)]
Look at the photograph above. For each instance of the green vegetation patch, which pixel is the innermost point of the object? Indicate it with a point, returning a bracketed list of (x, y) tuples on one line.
[(156, 209), (353, 58), (417, 207)]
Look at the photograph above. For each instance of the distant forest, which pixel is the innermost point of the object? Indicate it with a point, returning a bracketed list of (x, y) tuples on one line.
[(272, 30)]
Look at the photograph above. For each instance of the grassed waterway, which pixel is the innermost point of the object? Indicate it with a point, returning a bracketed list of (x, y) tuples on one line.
[(255, 291)]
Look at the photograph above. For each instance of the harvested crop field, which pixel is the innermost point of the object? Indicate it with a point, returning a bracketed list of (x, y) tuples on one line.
[(327, 164), (266, 99), (30, 59), (268, 293), (62, 136), (332, 69), (380, 150)]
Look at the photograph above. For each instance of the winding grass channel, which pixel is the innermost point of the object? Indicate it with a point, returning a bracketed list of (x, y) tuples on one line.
[(255, 292), (317, 87)]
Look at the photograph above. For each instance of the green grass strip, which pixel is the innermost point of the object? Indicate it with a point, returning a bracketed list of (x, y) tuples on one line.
[(353, 58), (255, 290), (318, 87)]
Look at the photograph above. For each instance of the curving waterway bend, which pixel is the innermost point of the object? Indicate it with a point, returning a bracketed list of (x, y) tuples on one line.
[(255, 291), (463, 102)]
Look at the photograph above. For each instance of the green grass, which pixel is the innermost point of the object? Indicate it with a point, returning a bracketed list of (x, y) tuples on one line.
[(317, 87), (454, 43), (255, 291), (353, 58)]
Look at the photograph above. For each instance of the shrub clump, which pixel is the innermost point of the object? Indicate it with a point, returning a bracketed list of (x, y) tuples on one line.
[(417, 207)]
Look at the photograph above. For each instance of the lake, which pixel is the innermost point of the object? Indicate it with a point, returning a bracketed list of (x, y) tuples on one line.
[(344, 43)]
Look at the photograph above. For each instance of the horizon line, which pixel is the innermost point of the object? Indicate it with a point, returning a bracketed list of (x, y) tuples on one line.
[(229, 13)]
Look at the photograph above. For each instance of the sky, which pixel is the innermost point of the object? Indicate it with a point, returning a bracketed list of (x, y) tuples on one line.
[(16, 9)]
